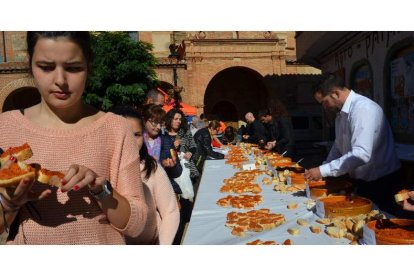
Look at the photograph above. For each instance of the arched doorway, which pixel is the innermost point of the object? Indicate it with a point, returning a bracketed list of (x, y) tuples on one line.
[(224, 111), (23, 97), (233, 92)]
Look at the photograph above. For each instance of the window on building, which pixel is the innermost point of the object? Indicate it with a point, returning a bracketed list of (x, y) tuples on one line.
[(361, 79), (401, 89)]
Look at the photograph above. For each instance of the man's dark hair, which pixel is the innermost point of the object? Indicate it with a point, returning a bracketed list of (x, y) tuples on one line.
[(328, 83), (264, 112), (153, 94)]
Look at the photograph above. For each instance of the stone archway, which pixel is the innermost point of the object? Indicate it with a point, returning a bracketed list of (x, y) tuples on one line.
[(243, 87)]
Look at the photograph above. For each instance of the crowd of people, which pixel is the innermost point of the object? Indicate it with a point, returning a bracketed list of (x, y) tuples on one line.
[(131, 175)]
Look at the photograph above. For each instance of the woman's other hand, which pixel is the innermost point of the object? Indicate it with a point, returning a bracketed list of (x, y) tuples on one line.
[(187, 155), (168, 163)]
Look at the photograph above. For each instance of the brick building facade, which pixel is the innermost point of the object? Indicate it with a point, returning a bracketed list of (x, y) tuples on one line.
[(223, 73)]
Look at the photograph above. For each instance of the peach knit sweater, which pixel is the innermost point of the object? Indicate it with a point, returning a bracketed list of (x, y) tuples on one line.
[(107, 147), (160, 196)]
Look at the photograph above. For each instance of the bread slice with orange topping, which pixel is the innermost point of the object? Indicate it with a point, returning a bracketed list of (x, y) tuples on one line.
[(52, 178), (21, 153), (12, 175)]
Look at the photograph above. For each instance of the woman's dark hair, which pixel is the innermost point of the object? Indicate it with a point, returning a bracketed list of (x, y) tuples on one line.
[(80, 38), (214, 124), (278, 109), (153, 111), (170, 116), (150, 164)]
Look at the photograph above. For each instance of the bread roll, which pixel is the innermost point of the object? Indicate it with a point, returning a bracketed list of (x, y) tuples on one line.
[(323, 221), (293, 231), (351, 236), (315, 229), (349, 223), (302, 222), (358, 227), (292, 205), (335, 232), (401, 195)]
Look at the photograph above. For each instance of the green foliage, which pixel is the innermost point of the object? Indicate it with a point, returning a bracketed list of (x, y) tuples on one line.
[(121, 72)]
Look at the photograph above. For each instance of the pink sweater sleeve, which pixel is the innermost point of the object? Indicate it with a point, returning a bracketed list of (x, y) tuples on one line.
[(167, 206), (129, 184)]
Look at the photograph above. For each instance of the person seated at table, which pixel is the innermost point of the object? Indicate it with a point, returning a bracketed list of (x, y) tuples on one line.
[(230, 136), (160, 145), (203, 138), (255, 132), (158, 191)]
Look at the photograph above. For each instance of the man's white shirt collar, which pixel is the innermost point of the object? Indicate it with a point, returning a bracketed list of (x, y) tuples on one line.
[(347, 105)]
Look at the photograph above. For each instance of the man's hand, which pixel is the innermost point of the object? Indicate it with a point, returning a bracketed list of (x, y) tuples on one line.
[(270, 145), (313, 174), (408, 204)]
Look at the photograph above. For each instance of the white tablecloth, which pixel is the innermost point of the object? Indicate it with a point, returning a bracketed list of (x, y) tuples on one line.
[(207, 225)]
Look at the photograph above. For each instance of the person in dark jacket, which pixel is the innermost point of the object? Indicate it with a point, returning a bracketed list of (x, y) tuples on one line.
[(159, 145), (279, 129), (255, 131), (230, 136), (203, 138)]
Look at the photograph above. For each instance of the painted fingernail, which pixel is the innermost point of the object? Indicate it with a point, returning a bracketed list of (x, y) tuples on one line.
[(63, 182), (26, 181), (62, 190), (76, 187), (12, 158)]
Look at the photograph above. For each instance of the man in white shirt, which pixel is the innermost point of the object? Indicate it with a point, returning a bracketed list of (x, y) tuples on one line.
[(364, 144)]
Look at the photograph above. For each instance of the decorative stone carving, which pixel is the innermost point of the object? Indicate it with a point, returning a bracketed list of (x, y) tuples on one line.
[(201, 35)]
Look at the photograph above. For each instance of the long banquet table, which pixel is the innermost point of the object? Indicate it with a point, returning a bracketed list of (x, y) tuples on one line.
[(207, 224)]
